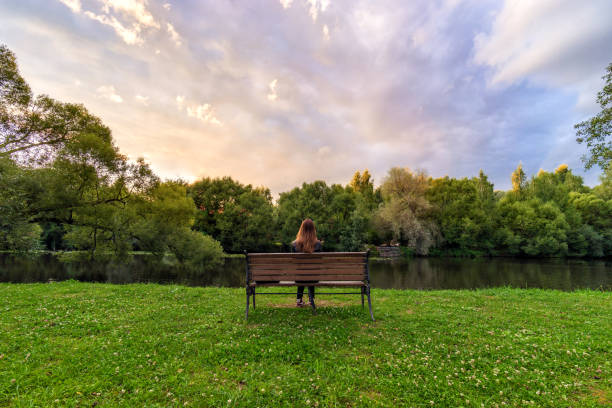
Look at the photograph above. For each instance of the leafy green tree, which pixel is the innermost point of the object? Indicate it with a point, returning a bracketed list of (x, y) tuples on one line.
[(341, 214), (406, 214), (604, 190), (59, 166), (595, 132), (239, 216), (532, 227), (363, 184), (519, 180), (17, 232), (465, 212)]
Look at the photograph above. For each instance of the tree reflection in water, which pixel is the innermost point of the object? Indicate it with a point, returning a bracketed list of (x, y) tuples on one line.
[(417, 273)]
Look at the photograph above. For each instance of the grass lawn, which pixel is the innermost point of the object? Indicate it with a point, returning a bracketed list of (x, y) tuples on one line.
[(79, 344)]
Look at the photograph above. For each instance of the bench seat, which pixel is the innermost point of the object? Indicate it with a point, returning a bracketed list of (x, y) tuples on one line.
[(323, 269), (294, 283)]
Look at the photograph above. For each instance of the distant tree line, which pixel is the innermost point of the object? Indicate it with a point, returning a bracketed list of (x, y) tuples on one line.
[(64, 185)]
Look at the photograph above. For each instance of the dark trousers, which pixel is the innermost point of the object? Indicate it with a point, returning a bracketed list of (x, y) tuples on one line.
[(300, 292)]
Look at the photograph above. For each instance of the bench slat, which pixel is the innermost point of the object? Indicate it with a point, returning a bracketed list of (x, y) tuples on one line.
[(306, 276), (304, 255), (309, 267), (309, 277), (316, 261), (330, 283), (355, 271)]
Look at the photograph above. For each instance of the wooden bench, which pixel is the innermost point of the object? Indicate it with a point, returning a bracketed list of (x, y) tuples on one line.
[(331, 269)]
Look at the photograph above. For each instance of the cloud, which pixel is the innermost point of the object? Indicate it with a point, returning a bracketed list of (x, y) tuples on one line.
[(130, 36), (167, 6), (108, 92), (133, 9), (550, 42), (142, 99), (326, 32), (272, 94), (173, 34), (180, 100), (74, 5), (316, 7), (129, 18), (401, 84), (204, 113)]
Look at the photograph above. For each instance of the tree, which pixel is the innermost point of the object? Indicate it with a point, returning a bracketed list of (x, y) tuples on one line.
[(406, 214), (595, 132), (341, 215), (17, 232), (532, 227), (465, 212), (59, 167), (239, 216), (34, 129), (519, 179)]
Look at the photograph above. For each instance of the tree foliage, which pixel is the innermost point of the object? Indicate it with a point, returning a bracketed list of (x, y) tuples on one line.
[(60, 168), (596, 132), (405, 216), (239, 216), (64, 185)]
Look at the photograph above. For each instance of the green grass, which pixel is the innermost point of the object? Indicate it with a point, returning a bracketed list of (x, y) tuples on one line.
[(79, 344)]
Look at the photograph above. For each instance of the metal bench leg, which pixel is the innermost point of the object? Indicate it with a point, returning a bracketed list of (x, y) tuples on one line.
[(362, 292), (248, 292), (312, 302), (253, 298), (369, 302)]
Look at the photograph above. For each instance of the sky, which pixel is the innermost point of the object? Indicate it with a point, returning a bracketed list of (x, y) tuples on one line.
[(281, 92)]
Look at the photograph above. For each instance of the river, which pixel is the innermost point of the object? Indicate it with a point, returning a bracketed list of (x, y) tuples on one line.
[(416, 273)]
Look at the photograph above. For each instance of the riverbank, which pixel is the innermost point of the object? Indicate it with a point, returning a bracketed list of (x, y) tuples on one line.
[(71, 343)]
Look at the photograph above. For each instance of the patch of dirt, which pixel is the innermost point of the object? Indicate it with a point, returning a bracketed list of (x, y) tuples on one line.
[(318, 303), (601, 395), (408, 311), (372, 395)]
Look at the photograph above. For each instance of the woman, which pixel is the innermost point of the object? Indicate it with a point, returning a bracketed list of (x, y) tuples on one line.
[(306, 241)]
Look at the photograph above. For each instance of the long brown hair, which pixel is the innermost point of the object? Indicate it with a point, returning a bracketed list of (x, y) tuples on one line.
[(306, 238)]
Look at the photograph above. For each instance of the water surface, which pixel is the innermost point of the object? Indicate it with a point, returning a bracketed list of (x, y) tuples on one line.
[(417, 273)]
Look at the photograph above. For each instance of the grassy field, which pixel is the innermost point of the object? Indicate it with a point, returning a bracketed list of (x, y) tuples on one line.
[(78, 344)]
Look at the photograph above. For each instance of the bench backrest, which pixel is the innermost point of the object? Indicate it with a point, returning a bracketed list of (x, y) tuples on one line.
[(318, 266)]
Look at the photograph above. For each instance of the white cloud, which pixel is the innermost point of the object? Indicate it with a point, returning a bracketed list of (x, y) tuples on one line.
[(108, 92), (204, 113), (326, 32), (316, 7), (129, 18), (286, 3), (272, 86), (180, 100), (556, 43), (135, 9), (142, 99), (324, 151), (74, 5), (174, 35), (167, 6), (359, 101), (129, 36)]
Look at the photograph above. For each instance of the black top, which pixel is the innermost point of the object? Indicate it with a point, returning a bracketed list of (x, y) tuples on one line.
[(318, 247)]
